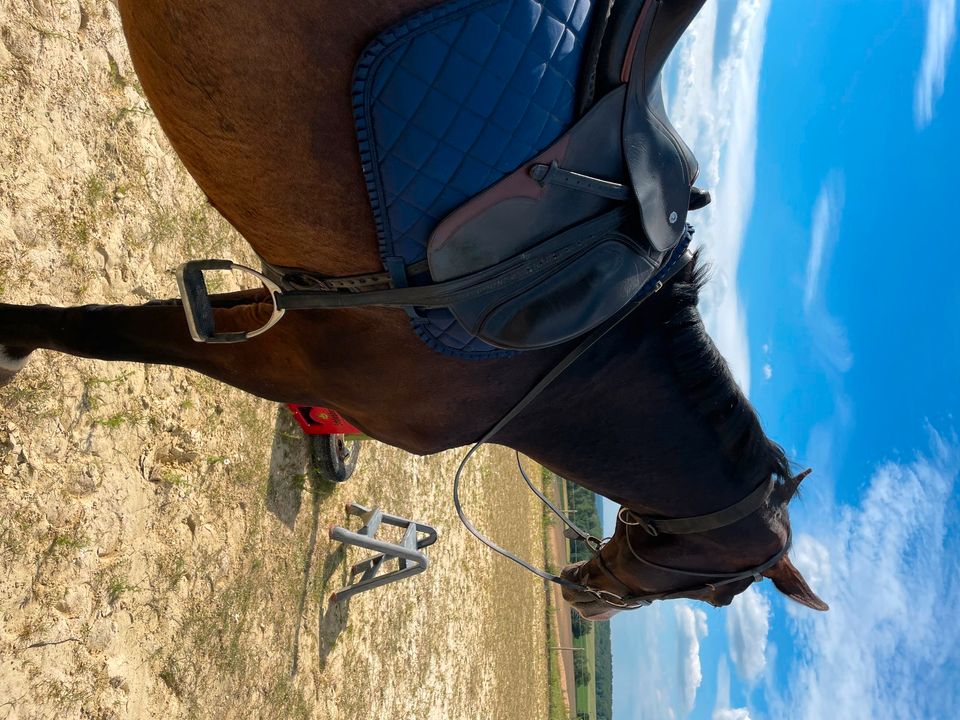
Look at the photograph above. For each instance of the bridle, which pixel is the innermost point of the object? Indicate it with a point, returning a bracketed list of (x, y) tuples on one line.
[(628, 599), (717, 579)]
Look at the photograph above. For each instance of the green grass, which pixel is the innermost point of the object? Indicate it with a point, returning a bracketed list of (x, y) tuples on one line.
[(115, 421), (11, 538), (91, 401), (29, 398), (171, 568), (173, 479), (68, 542), (117, 585), (586, 693), (96, 192), (557, 708), (48, 34), (116, 77), (63, 544), (93, 382)]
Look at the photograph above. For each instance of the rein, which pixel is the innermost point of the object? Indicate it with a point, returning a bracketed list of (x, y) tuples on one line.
[(679, 259), (653, 525)]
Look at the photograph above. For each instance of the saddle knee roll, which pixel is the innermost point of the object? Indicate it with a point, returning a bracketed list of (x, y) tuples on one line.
[(563, 305)]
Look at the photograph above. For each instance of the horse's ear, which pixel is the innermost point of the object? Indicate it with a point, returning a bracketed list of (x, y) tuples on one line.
[(790, 582), (790, 486)]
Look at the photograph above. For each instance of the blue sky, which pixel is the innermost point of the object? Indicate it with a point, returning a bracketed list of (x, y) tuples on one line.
[(827, 132)]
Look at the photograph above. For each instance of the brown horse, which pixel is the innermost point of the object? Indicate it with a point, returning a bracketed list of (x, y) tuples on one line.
[(255, 100)]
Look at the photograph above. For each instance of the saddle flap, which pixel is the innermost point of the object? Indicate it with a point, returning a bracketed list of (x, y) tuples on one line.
[(662, 168), (564, 303), (519, 212), (659, 173)]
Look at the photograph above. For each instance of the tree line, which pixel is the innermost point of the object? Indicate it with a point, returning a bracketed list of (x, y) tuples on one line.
[(582, 509)]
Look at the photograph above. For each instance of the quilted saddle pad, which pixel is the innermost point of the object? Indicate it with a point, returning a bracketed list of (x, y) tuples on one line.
[(446, 104)]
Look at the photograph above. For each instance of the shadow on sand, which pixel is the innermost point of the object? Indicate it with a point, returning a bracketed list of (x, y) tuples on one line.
[(291, 476)]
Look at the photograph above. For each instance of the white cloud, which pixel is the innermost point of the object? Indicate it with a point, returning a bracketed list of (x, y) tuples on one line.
[(648, 687), (767, 371), (691, 627), (828, 334), (731, 714), (748, 623), (812, 558), (890, 569), (825, 219), (722, 709), (826, 443), (937, 47), (714, 107)]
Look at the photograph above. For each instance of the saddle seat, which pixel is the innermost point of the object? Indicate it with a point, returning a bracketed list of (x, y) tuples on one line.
[(603, 207)]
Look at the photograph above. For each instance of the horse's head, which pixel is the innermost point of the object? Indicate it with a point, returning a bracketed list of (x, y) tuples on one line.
[(665, 431), (711, 557)]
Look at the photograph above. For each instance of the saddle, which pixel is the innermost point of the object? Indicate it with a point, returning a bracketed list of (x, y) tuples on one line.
[(568, 238), (623, 152)]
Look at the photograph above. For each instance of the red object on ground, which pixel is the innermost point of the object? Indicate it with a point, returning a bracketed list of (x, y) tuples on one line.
[(321, 421)]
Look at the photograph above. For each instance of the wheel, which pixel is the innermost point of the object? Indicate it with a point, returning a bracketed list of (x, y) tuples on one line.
[(334, 457)]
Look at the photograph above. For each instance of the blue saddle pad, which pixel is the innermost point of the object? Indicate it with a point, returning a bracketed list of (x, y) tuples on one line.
[(446, 104)]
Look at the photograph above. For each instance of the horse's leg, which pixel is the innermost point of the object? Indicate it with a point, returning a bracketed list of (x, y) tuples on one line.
[(156, 333)]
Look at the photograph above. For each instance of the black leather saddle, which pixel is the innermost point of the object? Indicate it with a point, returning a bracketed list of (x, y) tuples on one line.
[(623, 153), (572, 236)]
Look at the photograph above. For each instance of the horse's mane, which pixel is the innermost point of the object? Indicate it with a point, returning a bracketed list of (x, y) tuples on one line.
[(708, 384)]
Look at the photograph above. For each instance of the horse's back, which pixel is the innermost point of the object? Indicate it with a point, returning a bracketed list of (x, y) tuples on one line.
[(254, 98)]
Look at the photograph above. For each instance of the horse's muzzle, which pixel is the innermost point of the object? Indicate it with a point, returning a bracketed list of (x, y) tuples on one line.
[(586, 604)]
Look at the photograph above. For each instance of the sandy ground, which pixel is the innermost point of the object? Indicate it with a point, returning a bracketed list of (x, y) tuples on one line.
[(163, 548)]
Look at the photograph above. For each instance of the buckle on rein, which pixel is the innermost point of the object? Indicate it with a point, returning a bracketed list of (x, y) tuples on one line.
[(199, 311)]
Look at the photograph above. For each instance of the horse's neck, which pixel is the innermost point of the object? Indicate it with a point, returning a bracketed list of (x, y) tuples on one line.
[(625, 430)]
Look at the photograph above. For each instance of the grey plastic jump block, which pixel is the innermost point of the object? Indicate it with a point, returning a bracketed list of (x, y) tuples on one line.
[(365, 575)]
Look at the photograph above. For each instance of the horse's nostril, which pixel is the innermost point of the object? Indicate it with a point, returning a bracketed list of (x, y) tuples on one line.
[(572, 572)]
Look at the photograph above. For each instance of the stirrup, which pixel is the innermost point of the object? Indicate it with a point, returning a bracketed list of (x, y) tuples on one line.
[(196, 301)]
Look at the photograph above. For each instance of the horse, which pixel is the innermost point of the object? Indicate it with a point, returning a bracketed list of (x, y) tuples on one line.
[(255, 99)]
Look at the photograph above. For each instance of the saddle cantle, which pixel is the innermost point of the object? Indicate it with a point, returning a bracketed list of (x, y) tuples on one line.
[(502, 251), (623, 151)]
